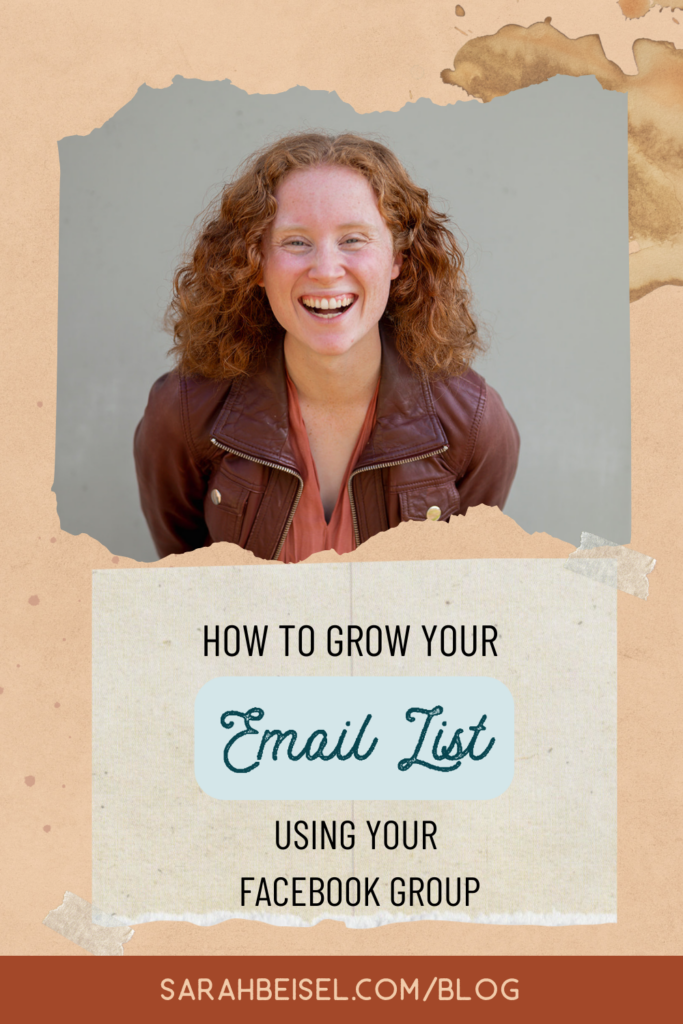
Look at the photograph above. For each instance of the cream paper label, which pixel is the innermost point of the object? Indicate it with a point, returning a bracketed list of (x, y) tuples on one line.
[(542, 851)]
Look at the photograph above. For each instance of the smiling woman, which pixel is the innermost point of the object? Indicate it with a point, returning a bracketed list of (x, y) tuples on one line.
[(324, 338)]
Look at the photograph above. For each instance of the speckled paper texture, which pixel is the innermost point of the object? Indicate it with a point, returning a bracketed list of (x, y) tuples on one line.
[(164, 849), (67, 71)]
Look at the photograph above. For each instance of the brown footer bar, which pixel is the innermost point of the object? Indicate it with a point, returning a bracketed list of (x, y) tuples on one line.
[(278, 989)]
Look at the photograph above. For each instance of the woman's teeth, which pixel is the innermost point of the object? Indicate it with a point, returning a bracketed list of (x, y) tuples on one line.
[(328, 307)]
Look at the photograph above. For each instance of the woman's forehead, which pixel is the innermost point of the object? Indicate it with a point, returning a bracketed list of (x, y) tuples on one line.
[(325, 189)]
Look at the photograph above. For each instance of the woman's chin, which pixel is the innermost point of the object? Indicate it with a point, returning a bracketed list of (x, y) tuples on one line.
[(332, 341)]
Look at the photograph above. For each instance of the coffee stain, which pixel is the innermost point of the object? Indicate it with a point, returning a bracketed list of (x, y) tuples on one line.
[(515, 57), (460, 11), (634, 8)]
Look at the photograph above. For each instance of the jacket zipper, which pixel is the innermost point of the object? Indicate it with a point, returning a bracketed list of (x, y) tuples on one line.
[(382, 465), (271, 465), (285, 469)]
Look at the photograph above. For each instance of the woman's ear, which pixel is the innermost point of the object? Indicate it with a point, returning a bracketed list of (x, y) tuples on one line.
[(396, 268)]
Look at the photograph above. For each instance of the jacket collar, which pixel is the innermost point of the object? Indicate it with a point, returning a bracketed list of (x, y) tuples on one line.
[(254, 420)]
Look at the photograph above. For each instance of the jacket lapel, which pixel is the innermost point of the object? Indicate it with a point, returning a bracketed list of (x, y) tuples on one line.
[(255, 419), (406, 426)]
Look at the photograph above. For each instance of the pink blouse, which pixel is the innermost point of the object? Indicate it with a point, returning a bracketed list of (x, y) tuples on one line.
[(309, 531)]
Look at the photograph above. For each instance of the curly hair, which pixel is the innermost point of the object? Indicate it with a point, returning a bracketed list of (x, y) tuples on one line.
[(220, 317)]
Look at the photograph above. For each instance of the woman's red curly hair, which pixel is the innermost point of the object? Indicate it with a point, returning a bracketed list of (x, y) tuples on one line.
[(220, 317)]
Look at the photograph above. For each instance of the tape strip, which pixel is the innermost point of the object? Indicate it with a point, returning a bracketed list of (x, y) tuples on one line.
[(596, 558), (73, 920)]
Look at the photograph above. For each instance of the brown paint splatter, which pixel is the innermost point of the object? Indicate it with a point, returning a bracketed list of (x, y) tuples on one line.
[(634, 8), (34, 599), (46, 828), (547, 20), (30, 780), (515, 57), (460, 11)]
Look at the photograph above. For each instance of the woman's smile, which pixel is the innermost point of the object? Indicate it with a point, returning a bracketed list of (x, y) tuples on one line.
[(327, 307)]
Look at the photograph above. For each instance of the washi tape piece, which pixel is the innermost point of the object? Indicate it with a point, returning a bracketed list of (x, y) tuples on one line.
[(596, 556), (73, 920)]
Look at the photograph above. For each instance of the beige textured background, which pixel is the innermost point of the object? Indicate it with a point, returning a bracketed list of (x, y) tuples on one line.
[(68, 67)]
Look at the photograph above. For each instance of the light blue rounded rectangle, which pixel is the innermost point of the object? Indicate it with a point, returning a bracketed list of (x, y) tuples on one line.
[(370, 738)]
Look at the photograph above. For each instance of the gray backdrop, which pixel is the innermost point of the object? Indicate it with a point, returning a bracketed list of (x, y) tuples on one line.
[(536, 184)]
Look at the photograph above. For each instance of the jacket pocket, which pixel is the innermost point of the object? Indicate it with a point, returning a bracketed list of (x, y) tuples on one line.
[(233, 493), (418, 501)]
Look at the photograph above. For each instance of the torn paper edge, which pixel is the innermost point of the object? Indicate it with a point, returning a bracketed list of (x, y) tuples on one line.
[(554, 918), (595, 558), (74, 918)]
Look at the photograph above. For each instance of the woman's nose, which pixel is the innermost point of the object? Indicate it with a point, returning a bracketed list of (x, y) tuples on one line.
[(327, 264)]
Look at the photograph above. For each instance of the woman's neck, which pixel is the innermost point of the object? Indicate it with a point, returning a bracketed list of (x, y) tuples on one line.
[(335, 380)]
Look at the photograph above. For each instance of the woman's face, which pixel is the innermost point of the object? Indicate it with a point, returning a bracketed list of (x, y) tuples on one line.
[(328, 259)]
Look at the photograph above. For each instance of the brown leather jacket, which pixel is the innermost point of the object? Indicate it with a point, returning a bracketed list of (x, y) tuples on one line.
[(214, 462)]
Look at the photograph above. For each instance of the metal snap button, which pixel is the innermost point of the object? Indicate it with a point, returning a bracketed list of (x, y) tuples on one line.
[(434, 512), (216, 497)]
